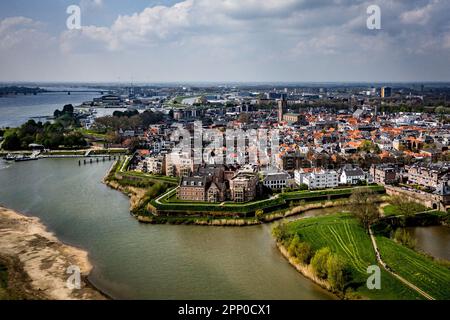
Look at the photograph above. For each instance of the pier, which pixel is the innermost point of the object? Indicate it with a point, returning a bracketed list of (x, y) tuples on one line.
[(98, 159)]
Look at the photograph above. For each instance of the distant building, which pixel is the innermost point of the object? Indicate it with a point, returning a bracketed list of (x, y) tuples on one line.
[(153, 165), (291, 160), (427, 175), (352, 176), (178, 164), (109, 100), (386, 92), (282, 105), (192, 189), (384, 174), (276, 180), (243, 187), (294, 118), (317, 178)]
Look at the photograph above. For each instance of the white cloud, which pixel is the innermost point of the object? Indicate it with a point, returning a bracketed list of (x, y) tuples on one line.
[(91, 4), (247, 39), (418, 16), (146, 28), (20, 32)]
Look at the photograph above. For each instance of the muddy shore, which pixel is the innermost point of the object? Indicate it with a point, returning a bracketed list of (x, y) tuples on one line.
[(36, 261)]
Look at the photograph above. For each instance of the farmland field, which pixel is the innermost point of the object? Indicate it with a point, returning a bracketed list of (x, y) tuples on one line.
[(420, 270), (343, 235)]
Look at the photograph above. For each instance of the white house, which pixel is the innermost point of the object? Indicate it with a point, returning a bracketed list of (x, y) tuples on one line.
[(276, 180), (354, 176), (317, 178)]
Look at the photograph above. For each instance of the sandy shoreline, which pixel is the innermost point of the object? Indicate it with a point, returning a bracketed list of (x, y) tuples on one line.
[(37, 261)]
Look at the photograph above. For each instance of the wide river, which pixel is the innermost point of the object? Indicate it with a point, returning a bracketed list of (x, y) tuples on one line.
[(16, 110), (136, 261)]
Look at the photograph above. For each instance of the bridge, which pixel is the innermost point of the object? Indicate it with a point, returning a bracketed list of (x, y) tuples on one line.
[(69, 92)]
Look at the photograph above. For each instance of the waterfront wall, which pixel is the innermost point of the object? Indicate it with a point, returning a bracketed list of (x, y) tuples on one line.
[(433, 201)]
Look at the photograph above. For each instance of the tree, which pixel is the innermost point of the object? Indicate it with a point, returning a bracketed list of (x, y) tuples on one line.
[(405, 207), (362, 205), (303, 187), (304, 252), (244, 118), (337, 272), (369, 147), (68, 109), (319, 262), (280, 232), (12, 142), (292, 249)]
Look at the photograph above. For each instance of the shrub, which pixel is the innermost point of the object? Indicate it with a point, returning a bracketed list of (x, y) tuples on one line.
[(336, 270), (280, 232), (404, 237), (259, 214), (292, 249), (319, 262), (304, 252)]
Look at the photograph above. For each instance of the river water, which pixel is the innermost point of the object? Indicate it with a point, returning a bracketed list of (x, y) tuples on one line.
[(433, 240), (136, 261), (16, 110)]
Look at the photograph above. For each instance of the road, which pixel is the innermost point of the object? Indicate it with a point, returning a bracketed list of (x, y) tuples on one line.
[(385, 267)]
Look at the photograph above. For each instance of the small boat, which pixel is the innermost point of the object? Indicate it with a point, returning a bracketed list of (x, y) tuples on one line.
[(9, 157), (24, 158)]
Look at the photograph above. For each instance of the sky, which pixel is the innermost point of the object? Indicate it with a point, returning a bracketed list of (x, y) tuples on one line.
[(225, 41)]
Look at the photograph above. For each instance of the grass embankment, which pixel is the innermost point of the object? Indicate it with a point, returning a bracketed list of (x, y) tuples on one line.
[(394, 210), (282, 201), (140, 188), (388, 224), (422, 271), (342, 234), (65, 153), (109, 152)]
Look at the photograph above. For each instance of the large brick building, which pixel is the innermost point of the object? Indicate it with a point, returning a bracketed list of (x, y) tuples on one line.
[(217, 184)]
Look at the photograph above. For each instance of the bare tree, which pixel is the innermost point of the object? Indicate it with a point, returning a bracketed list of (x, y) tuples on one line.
[(362, 205)]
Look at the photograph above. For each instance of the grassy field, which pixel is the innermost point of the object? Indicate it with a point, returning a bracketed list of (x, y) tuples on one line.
[(94, 134), (344, 236), (418, 269), (392, 210), (151, 176)]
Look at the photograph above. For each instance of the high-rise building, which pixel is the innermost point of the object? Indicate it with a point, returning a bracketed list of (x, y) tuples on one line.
[(386, 92)]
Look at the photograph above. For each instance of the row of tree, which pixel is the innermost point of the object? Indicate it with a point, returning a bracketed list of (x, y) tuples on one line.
[(51, 136), (128, 120), (325, 264), (54, 135)]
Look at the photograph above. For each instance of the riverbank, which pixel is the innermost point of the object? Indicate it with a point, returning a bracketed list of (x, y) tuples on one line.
[(36, 261), (306, 271)]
